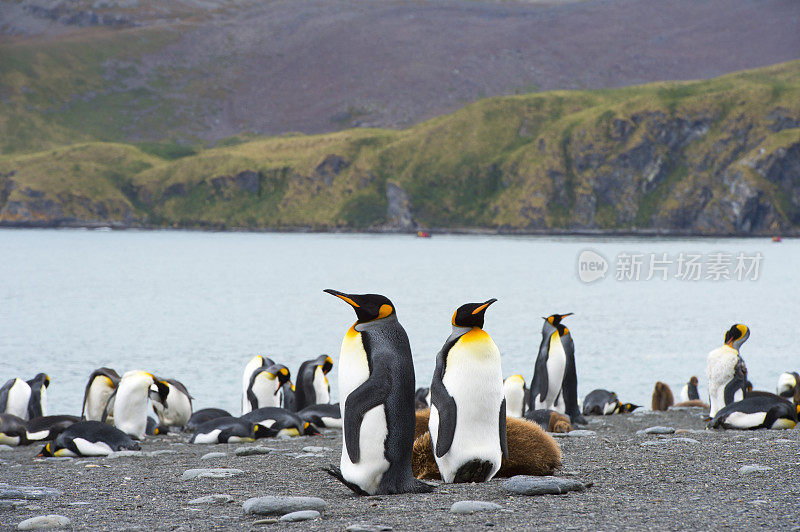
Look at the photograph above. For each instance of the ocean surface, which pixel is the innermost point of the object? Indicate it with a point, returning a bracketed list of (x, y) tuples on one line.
[(196, 306)]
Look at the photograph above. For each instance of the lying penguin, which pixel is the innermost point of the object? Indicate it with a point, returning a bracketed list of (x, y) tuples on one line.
[(230, 430), (49, 427), (285, 423), (764, 411), (530, 452), (604, 403), (203, 415), (89, 438), (322, 415), (13, 430)]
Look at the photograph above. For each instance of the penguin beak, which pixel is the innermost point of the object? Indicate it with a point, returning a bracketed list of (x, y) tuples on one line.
[(347, 298), (567, 314), (483, 307)]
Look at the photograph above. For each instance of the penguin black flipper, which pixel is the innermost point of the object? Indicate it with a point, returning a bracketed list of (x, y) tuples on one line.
[(569, 388), (4, 394), (336, 473), (503, 439), (444, 403), (737, 383), (539, 381), (108, 403), (372, 393)]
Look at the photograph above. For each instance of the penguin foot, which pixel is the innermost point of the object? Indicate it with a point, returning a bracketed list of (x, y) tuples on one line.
[(336, 473), (473, 471)]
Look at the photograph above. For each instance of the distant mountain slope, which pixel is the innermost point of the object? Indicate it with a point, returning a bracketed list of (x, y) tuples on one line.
[(710, 157), (203, 70)]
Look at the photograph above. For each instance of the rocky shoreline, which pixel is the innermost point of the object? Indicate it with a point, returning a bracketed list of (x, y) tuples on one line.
[(679, 476)]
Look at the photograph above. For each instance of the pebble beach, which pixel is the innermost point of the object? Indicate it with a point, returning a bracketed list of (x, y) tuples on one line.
[(644, 471)]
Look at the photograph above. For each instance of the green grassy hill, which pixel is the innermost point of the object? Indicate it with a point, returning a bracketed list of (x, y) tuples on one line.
[(713, 157)]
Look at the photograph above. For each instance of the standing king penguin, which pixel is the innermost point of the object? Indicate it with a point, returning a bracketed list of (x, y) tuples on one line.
[(726, 371), (468, 409), (376, 387), (99, 390), (130, 404), (37, 404), (256, 362), (312, 384), (15, 395), (555, 380), (516, 394)]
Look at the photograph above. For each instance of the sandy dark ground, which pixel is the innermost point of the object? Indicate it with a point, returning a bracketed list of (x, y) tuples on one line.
[(657, 487)]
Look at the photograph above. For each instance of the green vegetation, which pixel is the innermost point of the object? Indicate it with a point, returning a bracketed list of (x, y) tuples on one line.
[(636, 157)]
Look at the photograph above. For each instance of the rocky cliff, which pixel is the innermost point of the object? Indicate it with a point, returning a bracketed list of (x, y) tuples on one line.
[(717, 157)]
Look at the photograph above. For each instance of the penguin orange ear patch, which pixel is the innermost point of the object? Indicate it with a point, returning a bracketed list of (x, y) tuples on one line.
[(384, 311)]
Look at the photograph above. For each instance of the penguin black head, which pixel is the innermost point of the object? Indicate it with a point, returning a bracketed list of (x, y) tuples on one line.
[(310, 430), (326, 362), (368, 307), (737, 335), (45, 451), (279, 371), (555, 321), (262, 431), (470, 314), (41, 378), (627, 407)]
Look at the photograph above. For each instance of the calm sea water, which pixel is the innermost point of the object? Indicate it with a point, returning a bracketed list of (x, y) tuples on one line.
[(197, 306)]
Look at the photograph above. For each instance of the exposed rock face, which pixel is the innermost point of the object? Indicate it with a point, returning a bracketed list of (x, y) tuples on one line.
[(398, 212)]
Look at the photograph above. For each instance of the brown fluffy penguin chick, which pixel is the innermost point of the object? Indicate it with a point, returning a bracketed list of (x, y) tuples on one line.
[(559, 423), (531, 451), (662, 397), (421, 425), (693, 402)]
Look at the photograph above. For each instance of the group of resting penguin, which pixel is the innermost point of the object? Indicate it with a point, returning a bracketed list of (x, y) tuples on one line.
[(470, 425)]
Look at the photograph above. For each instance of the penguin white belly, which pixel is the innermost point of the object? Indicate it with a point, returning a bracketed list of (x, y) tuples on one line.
[(473, 378), (372, 464), (178, 409), (18, 397), (208, 437), (609, 408), (321, 391), (786, 384), (5, 439), (254, 363), (88, 448), (556, 366), (332, 422), (265, 390), (43, 400), (720, 366), (684, 396), (37, 436), (740, 420), (96, 399), (515, 399), (130, 412)]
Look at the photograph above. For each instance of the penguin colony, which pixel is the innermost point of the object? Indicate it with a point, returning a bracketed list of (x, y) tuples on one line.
[(470, 425)]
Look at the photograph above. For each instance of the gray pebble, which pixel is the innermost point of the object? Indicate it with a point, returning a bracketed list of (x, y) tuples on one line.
[(309, 455), (217, 498), (126, 454), (468, 507), (668, 441), (358, 527), (753, 468), (783, 440), (254, 450), (658, 429), (59, 459), (278, 505), (211, 456), (161, 451), (8, 491), (190, 474), (4, 447), (580, 433), (528, 485), (302, 515), (265, 522), (314, 449), (44, 521)]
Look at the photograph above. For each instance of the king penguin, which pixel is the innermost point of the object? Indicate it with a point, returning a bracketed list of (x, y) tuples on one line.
[(312, 385), (100, 387), (555, 380), (256, 362), (130, 401), (788, 383), (468, 410), (265, 387), (14, 398), (726, 371), (515, 392), (177, 407), (689, 390), (37, 404), (763, 411), (89, 438), (376, 385)]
